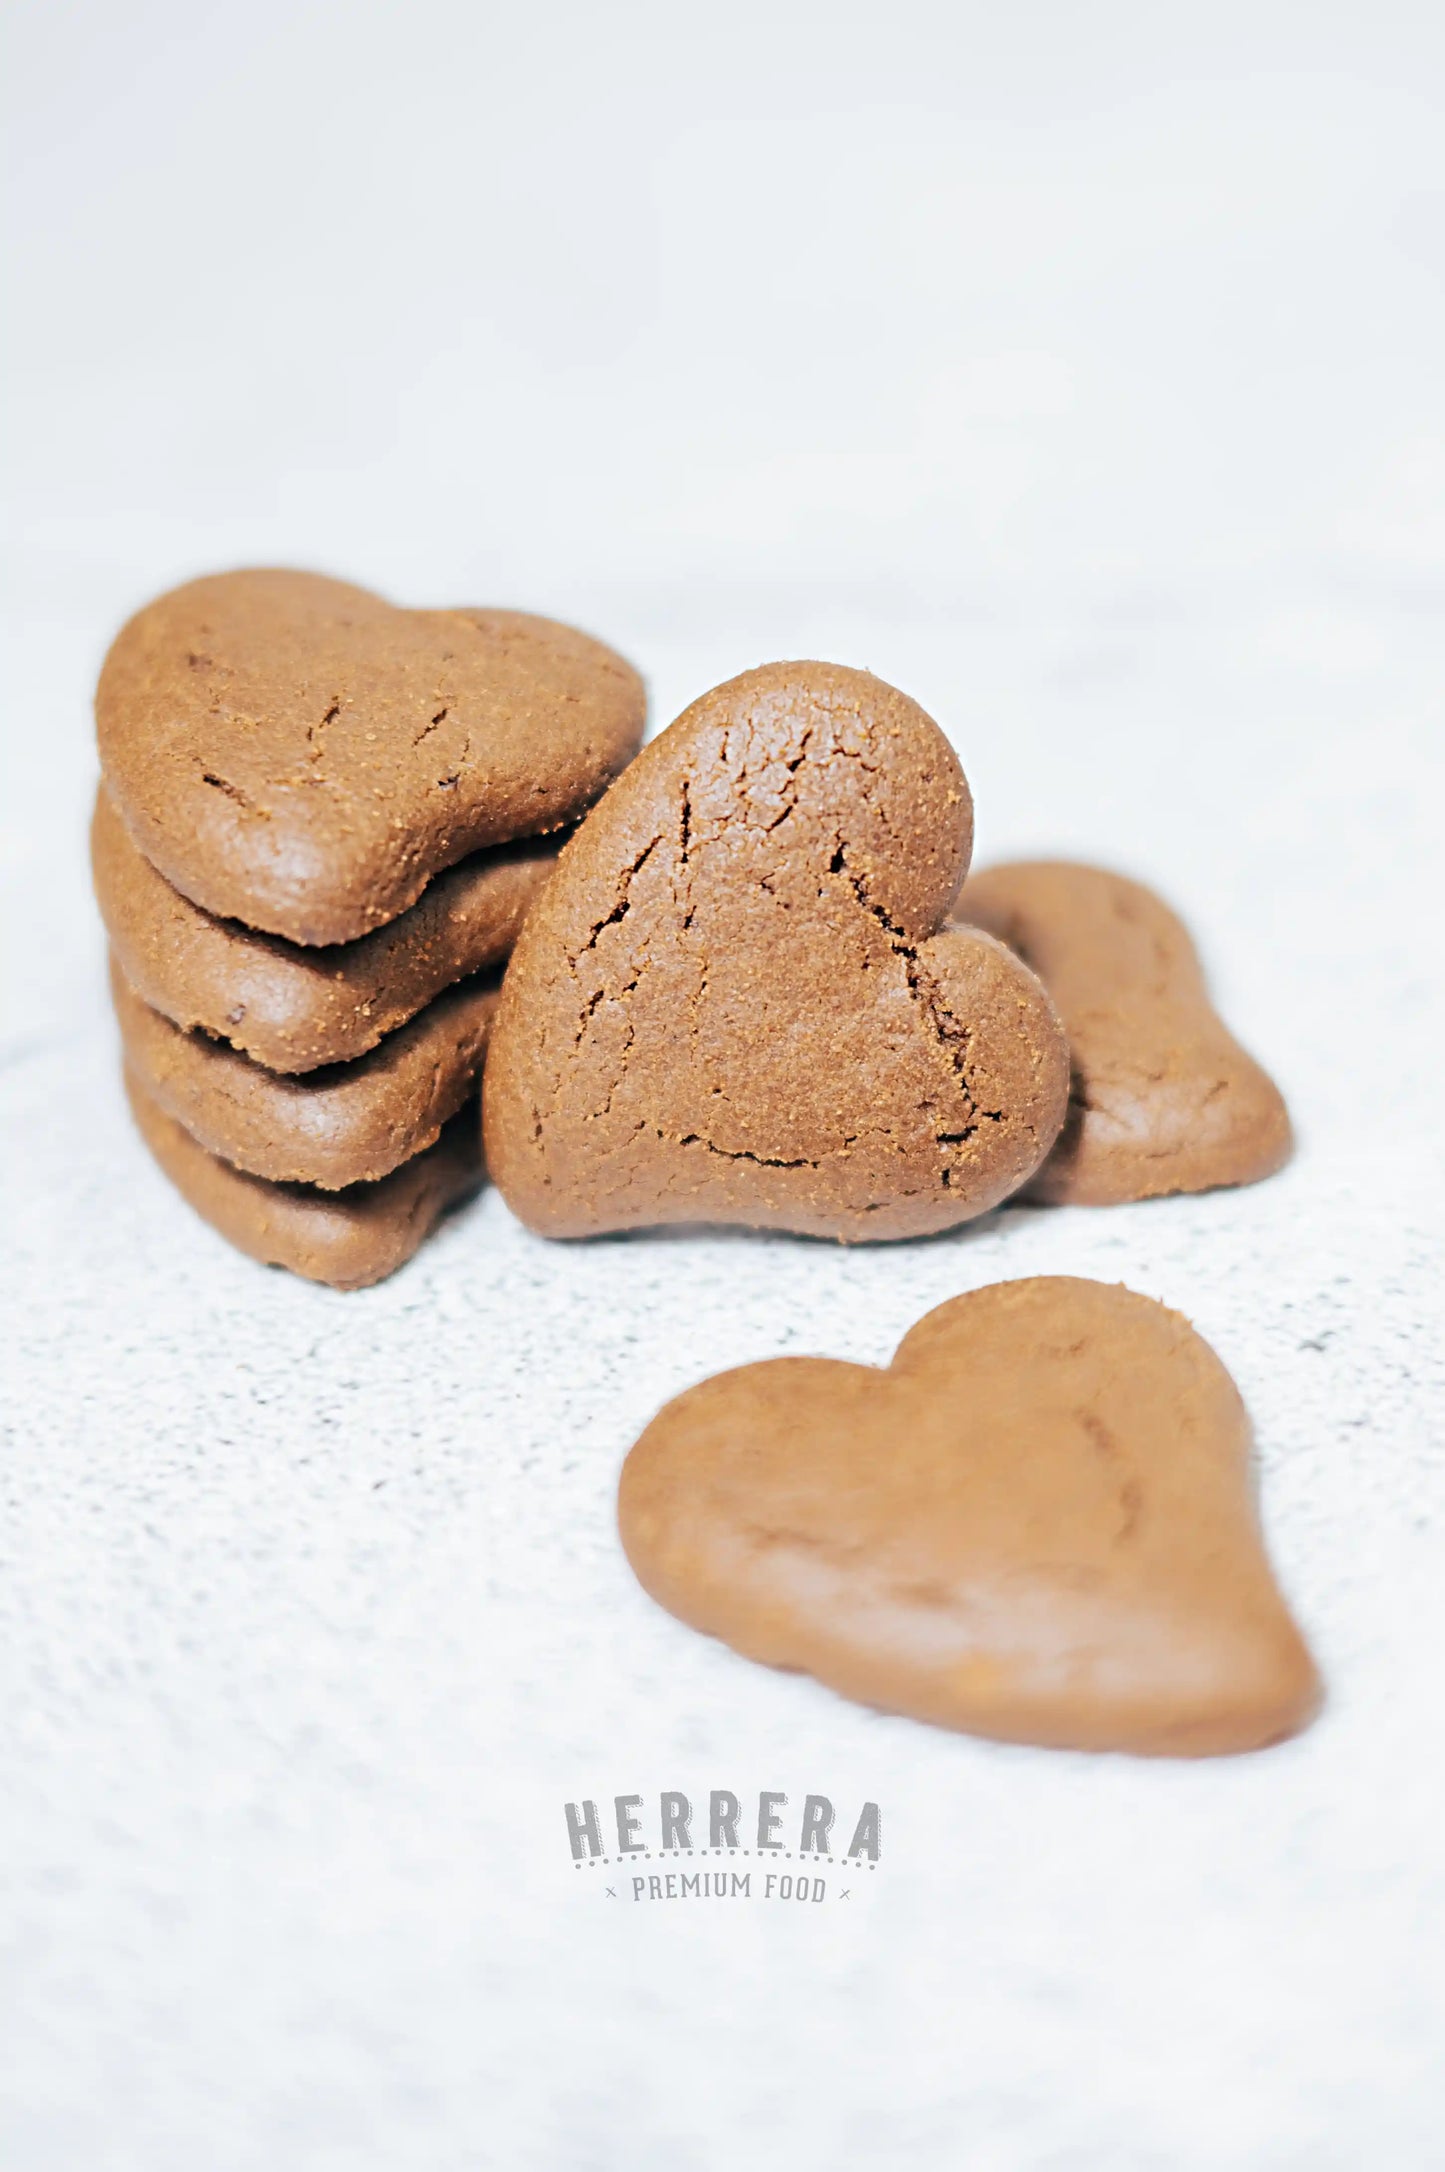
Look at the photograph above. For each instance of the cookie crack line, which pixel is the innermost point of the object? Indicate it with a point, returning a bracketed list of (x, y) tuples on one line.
[(760, 1161), (232, 791), (316, 734), (623, 906), (684, 845), (924, 993), (453, 777), (792, 788)]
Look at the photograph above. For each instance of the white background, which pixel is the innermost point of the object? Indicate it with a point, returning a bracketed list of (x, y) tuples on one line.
[(1082, 370)]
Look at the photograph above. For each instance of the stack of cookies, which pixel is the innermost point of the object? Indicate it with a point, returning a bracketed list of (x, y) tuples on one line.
[(320, 825)]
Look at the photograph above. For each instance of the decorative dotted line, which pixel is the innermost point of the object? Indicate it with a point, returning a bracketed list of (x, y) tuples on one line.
[(776, 1855)]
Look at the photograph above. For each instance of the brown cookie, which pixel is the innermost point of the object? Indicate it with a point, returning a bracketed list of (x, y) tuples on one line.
[(1037, 1524), (293, 1008), (347, 1239), (731, 1003), (1164, 1099), (347, 1124), (299, 755)]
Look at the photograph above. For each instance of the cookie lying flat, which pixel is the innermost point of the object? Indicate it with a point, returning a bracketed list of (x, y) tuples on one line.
[(1164, 1098), (299, 755), (1036, 1524), (730, 1003), (346, 1239), (347, 1124), (291, 1008)]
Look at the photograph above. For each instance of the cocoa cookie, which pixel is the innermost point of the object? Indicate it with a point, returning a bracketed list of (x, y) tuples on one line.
[(1164, 1099), (1036, 1524), (731, 1003), (299, 755), (349, 1123), (347, 1239), (293, 1008)]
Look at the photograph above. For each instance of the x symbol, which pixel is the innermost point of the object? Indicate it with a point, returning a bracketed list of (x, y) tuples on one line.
[(845, 1892), (609, 1892)]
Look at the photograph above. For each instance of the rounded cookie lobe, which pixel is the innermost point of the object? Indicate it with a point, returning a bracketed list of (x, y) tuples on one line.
[(731, 1003), (347, 1240), (1037, 1524), (347, 1124), (1164, 1099), (293, 1008), (301, 756)]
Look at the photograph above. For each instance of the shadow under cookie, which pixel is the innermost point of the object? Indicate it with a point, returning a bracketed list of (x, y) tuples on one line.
[(295, 1008), (346, 1124), (346, 1239)]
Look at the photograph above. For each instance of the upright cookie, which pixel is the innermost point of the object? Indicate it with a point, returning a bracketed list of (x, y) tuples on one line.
[(732, 1004), (1164, 1099), (350, 1123), (291, 1008), (346, 1239), (1036, 1524), (299, 755)]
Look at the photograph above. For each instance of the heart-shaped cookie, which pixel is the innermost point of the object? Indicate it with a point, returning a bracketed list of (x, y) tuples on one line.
[(1164, 1098), (301, 756), (732, 1004), (1036, 1524)]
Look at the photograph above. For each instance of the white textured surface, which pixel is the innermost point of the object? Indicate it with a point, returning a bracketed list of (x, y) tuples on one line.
[(1127, 461)]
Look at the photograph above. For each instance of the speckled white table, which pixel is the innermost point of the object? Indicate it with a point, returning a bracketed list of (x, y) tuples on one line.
[(313, 1615)]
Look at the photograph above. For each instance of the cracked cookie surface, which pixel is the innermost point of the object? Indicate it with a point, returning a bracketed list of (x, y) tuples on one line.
[(732, 1004), (302, 756), (1036, 1524), (1163, 1098)]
